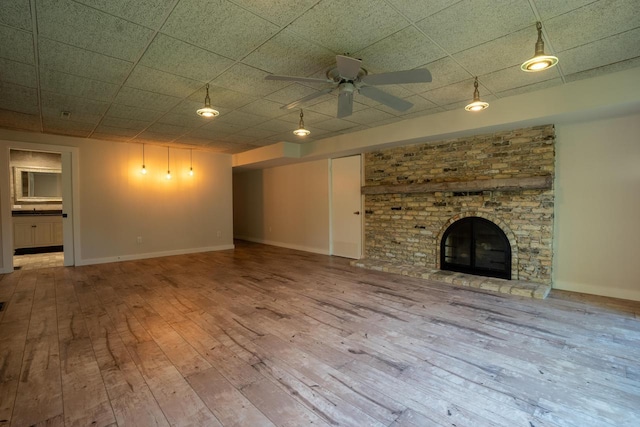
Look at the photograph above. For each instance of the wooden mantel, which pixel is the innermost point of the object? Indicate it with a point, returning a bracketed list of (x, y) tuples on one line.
[(543, 182)]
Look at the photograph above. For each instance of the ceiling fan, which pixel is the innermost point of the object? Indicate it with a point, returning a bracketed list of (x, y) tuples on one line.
[(348, 77)]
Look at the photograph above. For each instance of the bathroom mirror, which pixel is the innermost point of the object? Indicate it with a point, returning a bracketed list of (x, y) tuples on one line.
[(37, 184)]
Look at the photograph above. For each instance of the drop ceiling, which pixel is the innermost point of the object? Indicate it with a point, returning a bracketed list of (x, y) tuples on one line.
[(136, 70)]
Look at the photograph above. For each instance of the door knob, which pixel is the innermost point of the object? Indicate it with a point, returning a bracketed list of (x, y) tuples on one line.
[(356, 213)]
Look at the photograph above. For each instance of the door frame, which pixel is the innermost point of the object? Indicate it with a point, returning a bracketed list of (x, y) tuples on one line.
[(70, 191)]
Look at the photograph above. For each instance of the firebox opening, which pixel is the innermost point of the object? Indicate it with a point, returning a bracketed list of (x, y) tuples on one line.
[(477, 246)]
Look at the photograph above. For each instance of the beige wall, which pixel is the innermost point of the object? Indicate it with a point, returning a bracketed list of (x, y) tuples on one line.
[(597, 224), (116, 204), (284, 206)]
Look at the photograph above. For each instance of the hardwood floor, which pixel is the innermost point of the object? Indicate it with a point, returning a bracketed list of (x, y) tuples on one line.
[(264, 336)]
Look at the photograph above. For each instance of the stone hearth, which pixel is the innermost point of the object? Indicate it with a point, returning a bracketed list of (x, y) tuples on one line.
[(512, 287)]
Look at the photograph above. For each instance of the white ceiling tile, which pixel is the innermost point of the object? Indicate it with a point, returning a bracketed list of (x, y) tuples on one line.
[(219, 26), (289, 54), (134, 126), (605, 69), (145, 99), (158, 81), (185, 120), (17, 73), (610, 50), (112, 134), (265, 108), (530, 88), (21, 121), (135, 113), (291, 93), (166, 129), (223, 97), (183, 59), (472, 22), (153, 138), (66, 127), (280, 12), (423, 113), (67, 84), (82, 110), (216, 127), (310, 117), (456, 92), (249, 80), (72, 60), (330, 106), (336, 125), (20, 99), (16, 45), (256, 133), (78, 25), (550, 8), (497, 54), (514, 77), (344, 30), (16, 13), (240, 118), (386, 54), (593, 22), (418, 10), (275, 126), (149, 13), (419, 104)]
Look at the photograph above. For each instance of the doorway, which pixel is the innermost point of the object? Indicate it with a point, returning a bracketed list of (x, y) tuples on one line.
[(346, 207), (36, 201)]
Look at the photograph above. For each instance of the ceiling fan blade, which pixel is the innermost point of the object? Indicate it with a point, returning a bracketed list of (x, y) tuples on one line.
[(419, 75), (348, 67), (297, 79), (307, 98), (385, 98), (345, 104)]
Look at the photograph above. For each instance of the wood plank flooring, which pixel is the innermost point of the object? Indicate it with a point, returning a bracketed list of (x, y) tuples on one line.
[(265, 336)]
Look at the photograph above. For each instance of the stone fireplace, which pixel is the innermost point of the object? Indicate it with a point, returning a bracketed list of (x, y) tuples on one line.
[(415, 194)]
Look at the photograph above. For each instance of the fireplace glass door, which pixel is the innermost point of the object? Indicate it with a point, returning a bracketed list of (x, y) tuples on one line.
[(475, 245)]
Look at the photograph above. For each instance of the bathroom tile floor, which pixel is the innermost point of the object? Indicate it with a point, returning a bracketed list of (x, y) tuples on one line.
[(37, 261)]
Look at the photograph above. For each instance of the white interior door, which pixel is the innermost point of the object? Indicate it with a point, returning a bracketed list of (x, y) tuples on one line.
[(67, 209), (346, 207)]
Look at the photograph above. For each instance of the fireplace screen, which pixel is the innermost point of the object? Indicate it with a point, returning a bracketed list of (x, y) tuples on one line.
[(476, 246)]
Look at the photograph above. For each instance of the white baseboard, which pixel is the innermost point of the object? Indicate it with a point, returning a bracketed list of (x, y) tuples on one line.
[(153, 255), (320, 251)]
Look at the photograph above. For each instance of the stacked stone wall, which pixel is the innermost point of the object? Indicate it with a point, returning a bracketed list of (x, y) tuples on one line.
[(405, 228)]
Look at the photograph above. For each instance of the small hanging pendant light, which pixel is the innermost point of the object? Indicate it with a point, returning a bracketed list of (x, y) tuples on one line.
[(301, 131), (168, 171), (540, 61), (143, 171), (207, 111), (476, 104), (191, 162)]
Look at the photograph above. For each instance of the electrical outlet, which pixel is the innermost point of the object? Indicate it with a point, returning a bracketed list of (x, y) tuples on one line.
[(139, 240)]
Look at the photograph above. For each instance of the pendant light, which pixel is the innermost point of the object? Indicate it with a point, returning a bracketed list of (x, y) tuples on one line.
[(168, 171), (191, 162), (207, 111), (143, 171), (540, 61), (301, 131), (476, 104)]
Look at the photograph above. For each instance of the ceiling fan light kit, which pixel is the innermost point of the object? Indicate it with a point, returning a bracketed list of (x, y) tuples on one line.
[(476, 104), (207, 111), (349, 78), (540, 60)]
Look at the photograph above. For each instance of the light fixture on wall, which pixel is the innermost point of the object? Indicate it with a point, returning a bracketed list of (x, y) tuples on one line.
[(207, 111), (301, 131), (168, 171), (191, 162), (143, 171), (476, 104), (540, 61)]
